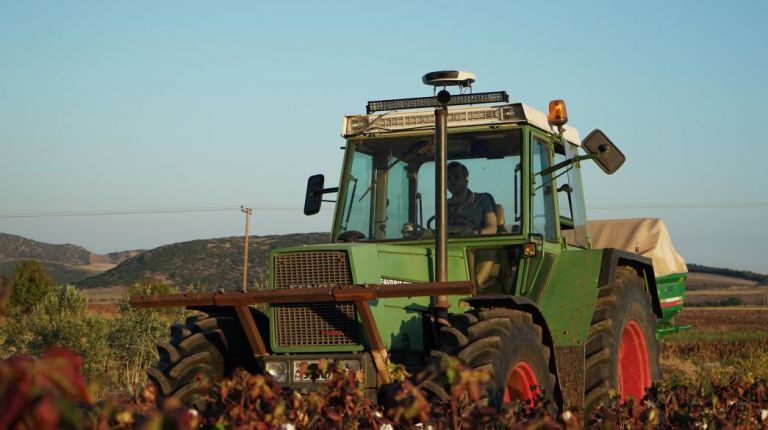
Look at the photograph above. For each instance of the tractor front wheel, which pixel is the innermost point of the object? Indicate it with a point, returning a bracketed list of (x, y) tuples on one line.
[(506, 343), (205, 347)]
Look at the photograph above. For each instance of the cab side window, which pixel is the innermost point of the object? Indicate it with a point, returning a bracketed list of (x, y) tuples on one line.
[(564, 191)]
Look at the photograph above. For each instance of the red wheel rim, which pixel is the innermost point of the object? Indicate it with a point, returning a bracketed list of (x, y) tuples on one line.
[(634, 372), (519, 383)]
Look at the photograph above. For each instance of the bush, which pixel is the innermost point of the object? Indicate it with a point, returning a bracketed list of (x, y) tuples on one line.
[(60, 319), (43, 394), (116, 351), (49, 393), (133, 340), (29, 284), (151, 287)]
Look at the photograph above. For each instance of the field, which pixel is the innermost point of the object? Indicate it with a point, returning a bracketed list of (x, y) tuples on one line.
[(714, 375), (697, 280), (104, 301), (731, 320)]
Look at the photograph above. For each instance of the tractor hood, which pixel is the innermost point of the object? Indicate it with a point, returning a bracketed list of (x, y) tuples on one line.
[(377, 263)]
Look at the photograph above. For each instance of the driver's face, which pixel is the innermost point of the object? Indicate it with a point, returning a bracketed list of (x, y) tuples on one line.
[(457, 181)]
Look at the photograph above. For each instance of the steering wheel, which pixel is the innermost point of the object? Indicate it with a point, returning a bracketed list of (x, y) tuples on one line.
[(454, 230), (350, 236), (415, 231), (430, 221)]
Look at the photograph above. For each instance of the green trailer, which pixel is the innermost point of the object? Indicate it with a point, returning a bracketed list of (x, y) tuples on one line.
[(459, 229)]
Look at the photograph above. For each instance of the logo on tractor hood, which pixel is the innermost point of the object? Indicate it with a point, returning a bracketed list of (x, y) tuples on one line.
[(293, 286), (389, 281)]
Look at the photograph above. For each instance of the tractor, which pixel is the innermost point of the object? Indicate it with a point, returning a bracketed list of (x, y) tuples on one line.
[(502, 274)]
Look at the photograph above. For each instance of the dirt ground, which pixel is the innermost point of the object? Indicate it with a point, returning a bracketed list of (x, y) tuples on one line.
[(725, 318), (752, 296), (703, 280), (105, 300)]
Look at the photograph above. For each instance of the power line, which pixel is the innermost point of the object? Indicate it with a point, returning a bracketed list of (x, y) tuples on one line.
[(268, 208), (737, 205), (145, 211)]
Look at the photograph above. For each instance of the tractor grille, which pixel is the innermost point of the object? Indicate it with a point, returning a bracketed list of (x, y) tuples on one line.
[(312, 269), (314, 324)]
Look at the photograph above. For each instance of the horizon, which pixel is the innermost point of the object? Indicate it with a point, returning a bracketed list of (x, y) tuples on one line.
[(130, 126), (688, 263)]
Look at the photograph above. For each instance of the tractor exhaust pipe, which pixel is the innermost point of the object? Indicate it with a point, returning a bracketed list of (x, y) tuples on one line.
[(441, 205)]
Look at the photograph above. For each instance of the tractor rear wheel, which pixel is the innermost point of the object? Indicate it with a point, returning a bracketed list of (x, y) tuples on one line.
[(621, 351), (205, 346), (509, 345)]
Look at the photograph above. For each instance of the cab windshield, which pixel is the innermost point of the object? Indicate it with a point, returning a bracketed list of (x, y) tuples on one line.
[(389, 188)]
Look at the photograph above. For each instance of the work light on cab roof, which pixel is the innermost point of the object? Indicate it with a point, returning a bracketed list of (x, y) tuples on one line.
[(444, 78)]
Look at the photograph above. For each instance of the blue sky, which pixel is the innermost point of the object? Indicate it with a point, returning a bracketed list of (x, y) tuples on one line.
[(148, 105)]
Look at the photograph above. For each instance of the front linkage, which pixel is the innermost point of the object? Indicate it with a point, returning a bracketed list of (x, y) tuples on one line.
[(359, 294)]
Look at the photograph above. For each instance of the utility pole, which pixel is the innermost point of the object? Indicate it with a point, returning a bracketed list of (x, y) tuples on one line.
[(247, 212)]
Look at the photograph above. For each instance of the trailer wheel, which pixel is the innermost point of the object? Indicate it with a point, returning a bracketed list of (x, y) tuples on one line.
[(207, 346), (621, 351), (509, 345)]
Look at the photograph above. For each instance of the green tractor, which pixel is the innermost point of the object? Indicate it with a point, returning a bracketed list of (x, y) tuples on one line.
[(460, 229)]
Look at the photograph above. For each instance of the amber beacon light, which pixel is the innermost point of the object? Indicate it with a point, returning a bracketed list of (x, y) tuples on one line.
[(558, 116)]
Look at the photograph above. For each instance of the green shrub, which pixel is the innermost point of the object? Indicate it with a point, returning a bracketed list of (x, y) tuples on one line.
[(30, 283), (60, 319), (132, 341), (116, 351)]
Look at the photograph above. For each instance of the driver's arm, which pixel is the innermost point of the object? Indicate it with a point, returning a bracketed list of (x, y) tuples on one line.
[(490, 225), (488, 206)]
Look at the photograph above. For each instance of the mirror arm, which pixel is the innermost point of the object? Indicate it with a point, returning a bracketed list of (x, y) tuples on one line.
[(562, 164), (328, 190)]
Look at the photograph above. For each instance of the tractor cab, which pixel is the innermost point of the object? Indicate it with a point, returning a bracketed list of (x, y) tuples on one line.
[(518, 171)]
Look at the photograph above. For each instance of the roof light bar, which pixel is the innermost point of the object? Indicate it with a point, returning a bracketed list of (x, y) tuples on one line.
[(391, 122), (423, 102)]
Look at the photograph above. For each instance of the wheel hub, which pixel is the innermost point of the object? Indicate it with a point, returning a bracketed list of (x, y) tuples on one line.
[(634, 371), (522, 383)]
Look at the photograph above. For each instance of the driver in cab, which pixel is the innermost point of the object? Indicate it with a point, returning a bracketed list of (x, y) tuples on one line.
[(469, 213)]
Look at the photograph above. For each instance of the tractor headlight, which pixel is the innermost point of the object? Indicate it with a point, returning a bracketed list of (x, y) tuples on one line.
[(278, 370)]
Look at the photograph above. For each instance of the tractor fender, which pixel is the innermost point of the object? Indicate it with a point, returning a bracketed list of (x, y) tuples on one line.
[(613, 258), (518, 303), (523, 304)]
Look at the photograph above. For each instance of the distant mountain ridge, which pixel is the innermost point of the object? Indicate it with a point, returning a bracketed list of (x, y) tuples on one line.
[(206, 264), (203, 264), (14, 247), (66, 263), (760, 278)]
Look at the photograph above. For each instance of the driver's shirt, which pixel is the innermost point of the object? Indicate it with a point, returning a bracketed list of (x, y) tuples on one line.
[(472, 212)]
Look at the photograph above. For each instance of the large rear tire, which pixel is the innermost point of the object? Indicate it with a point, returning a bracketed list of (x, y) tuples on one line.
[(210, 347), (509, 345), (621, 351)]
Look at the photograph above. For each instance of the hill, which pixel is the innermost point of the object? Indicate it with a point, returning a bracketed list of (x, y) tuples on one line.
[(206, 264), (14, 247), (717, 276), (66, 263), (216, 263)]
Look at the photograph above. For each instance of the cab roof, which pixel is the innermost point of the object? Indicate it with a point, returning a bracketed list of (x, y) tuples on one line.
[(399, 121)]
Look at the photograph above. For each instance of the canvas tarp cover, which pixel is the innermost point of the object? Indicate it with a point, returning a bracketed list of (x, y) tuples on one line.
[(648, 237)]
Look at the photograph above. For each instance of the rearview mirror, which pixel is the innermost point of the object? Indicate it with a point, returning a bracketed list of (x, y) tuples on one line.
[(603, 151), (314, 197), (315, 191)]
